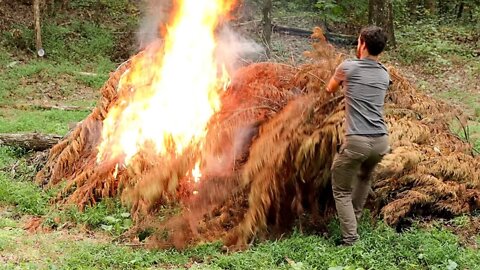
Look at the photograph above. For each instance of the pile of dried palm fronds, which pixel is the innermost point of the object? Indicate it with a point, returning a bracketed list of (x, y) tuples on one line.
[(267, 156)]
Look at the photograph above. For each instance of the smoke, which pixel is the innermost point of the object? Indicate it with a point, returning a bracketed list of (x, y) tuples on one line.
[(234, 150), (156, 14), (232, 50)]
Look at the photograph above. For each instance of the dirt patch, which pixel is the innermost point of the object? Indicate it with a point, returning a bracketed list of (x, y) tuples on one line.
[(39, 89), (19, 246), (15, 12)]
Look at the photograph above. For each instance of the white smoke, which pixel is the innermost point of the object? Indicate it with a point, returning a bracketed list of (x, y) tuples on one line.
[(232, 48), (155, 15)]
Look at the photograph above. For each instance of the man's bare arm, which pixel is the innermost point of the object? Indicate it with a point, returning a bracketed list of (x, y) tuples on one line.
[(333, 86), (337, 79)]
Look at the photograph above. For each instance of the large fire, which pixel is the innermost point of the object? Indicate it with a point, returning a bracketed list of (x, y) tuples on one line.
[(172, 89)]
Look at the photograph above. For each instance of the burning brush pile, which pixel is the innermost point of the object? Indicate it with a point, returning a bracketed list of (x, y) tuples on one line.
[(248, 154)]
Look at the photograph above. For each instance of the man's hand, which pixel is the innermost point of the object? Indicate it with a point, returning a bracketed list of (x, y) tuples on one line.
[(333, 86)]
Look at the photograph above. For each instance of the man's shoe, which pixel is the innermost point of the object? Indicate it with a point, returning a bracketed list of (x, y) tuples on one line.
[(342, 243)]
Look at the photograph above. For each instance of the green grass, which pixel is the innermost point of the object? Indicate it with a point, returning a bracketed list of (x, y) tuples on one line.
[(469, 100), (5, 57), (23, 80), (71, 48), (24, 196), (380, 248), (52, 121), (108, 215)]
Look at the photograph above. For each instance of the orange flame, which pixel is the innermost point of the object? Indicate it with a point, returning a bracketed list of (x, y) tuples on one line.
[(196, 173), (172, 90)]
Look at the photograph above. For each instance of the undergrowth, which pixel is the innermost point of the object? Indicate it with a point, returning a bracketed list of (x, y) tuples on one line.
[(17, 189), (437, 45)]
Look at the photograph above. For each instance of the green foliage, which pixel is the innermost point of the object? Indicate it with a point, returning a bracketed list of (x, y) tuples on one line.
[(22, 80), (108, 215), (21, 192), (24, 195), (7, 223), (76, 42), (5, 57), (432, 44), (111, 7), (101, 67), (330, 10), (471, 101), (379, 248)]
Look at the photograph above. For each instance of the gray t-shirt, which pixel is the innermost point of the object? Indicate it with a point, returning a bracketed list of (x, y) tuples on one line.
[(366, 82)]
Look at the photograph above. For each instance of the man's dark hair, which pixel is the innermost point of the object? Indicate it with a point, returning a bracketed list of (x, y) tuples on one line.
[(375, 39)]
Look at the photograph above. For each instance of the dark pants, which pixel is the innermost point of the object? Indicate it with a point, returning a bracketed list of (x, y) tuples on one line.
[(351, 183)]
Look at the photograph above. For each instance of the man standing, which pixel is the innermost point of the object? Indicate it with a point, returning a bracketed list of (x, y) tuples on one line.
[(365, 81)]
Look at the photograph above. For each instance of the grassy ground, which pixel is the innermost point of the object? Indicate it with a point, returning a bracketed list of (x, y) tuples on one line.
[(81, 53), (87, 241)]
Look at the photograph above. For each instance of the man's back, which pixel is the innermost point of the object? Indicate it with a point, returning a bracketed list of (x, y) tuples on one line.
[(366, 82)]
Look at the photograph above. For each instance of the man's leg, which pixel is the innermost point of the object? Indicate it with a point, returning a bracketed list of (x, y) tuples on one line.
[(362, 187), (344, 171)]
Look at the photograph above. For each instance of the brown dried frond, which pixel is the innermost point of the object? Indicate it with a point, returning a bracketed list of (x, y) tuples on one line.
[(267, 156)]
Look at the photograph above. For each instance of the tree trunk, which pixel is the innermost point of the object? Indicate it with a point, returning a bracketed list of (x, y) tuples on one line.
[(267, 25), (30, 141), (382, 15), (412, 8), (370, 11), (460, 10), (430, 6), (38, 28), (390, 27), (442, 7)]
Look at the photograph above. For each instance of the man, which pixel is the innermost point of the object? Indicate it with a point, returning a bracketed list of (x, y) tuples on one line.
[(365, 81)]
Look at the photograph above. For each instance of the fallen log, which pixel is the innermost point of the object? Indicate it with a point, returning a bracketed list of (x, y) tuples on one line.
[(46, 107), (338, 39), (30, 141)]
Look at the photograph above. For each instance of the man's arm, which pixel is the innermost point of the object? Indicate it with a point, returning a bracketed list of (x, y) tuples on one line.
[(337, 80), (333, 85)]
